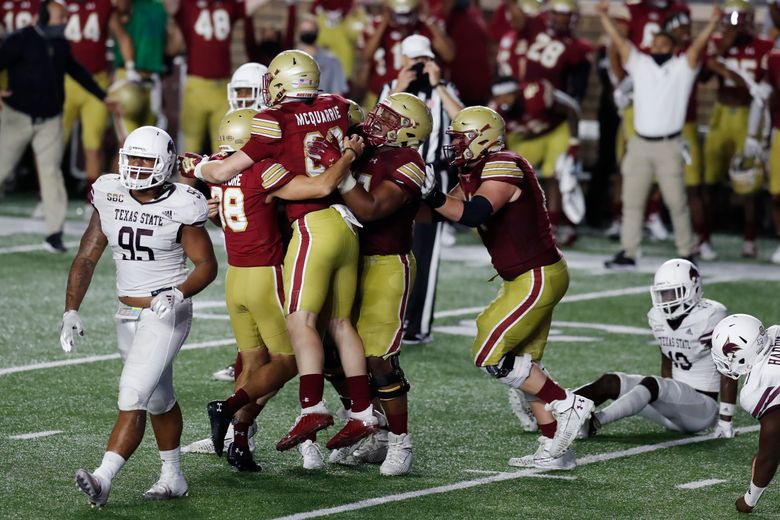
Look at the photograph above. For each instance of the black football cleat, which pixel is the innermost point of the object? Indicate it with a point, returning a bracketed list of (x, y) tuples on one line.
[(241, 458), (220, 422)]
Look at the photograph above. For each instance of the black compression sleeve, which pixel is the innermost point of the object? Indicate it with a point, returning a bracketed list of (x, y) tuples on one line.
[(476, 211)]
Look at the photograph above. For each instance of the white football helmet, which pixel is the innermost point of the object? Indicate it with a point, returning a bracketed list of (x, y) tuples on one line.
[(152, 143), (737, 341), (676, 288), (247, 76)]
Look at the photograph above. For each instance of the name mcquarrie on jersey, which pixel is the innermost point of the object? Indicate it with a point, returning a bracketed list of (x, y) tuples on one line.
[(688, 346), (145, 237), (761, 391)]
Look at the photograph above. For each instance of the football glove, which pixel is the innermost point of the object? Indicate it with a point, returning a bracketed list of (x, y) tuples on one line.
[(724, 430), (189, 164), (430, 183), (165, 301), (753, 148), (323, 152), (70, 322)]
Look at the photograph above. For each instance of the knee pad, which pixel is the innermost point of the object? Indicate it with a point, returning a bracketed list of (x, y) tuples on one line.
[(390, 385), (512, 370), (651, 383), (130, 399)]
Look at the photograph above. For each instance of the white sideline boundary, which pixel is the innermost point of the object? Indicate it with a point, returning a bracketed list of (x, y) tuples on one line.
[(500, 477), (36, 435), (105, 357), (698, 484)]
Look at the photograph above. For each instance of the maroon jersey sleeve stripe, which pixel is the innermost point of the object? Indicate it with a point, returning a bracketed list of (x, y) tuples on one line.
[(761, 401), (768, 402)]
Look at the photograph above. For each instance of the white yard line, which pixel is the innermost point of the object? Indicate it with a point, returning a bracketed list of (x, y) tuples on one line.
[(538, 475), (500, 477), (105, 357), (36, 435), (697, 484)]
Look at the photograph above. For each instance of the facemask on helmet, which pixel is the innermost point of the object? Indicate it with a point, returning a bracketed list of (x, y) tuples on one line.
[(147, 142), (676, 288), (738, 341)]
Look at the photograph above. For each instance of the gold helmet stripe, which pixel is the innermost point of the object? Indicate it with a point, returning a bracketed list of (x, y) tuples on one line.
[(413, 173), (272, 175)]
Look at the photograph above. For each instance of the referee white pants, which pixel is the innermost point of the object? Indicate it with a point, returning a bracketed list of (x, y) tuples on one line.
[(678, 408), (148, 346), (647, 162)]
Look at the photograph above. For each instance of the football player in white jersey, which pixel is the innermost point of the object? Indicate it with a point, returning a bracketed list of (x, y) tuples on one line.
[(152, 227), (741, 346), (685, 397)]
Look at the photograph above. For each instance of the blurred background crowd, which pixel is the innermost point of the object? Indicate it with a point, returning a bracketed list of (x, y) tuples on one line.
[(546, 66)]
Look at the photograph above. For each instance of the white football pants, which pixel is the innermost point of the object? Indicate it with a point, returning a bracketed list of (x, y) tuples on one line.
[(148, 346)]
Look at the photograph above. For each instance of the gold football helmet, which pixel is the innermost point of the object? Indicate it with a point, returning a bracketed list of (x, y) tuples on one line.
[(747, 175), (404, 12), (133, 100), (738, 13), (291, 74), (399, 120), (531, 7), (235, 130), (356, 113), (475, 132)]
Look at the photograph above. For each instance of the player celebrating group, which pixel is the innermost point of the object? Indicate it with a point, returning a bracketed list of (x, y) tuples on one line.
[(152, 226), (742, 347), (499, 195)]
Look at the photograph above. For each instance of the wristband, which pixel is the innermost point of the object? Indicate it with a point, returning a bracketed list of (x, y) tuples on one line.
[(198, 167), (727, 409), (436, 199), (753, 494), (347, 184)]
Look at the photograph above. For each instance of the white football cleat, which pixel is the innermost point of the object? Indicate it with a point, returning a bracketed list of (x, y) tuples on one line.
[(706, 252), (372, 449), (343, 456), (311, 455), (399, 455), (613, 231), (226, 374), (543, 460), (96, 488), (170, 485), (776, 256), (569, 413), (656, 227), (205, 446), (522, 410)]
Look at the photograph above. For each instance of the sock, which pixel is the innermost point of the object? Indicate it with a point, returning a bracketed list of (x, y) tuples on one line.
[(110, 466), (238, 366), (551, 392), (398, 422), (360, 392), (236, 401), (311, 389), (548, 430), (241, 434), (629, 404), (749, 231), (171, 460)]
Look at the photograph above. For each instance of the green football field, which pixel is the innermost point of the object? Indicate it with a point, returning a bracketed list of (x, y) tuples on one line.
[(463, 429)]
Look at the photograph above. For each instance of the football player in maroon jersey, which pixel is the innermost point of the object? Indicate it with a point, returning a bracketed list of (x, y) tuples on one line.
[(499, 194), (321, 261), (17, 14)]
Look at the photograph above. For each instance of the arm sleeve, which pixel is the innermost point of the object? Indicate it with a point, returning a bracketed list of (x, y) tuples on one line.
[(77, 71), (266, 137)]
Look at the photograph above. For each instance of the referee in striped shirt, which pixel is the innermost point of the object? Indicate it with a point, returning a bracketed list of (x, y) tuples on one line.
[(421, 76)]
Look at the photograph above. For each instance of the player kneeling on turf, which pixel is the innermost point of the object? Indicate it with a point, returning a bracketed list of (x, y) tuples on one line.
[(152, 227), (685, 397), (499, 194), (741, 346)]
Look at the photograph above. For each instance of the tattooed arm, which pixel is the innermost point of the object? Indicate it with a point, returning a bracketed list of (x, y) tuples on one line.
[(93, 243)]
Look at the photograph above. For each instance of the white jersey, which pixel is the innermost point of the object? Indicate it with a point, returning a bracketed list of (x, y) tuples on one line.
[(688, 346), (144, 237), (761, 390)]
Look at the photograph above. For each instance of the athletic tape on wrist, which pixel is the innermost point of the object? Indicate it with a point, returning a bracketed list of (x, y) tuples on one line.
[(727, 409)]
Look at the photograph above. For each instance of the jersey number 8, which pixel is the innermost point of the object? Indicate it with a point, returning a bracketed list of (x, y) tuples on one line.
[(231, 208)]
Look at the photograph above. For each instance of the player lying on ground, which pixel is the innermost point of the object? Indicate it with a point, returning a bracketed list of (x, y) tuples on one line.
[(685, 397), (390, 176), (499, 194), (741, 346), (152, 227), (321, 261)]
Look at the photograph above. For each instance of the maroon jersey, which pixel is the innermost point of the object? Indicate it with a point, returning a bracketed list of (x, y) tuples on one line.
[(513, 47), (281, 133), (500, 22), (518, 236), (644, 20), (552, 57), (404, 167), (207, 26), (87, 32), (746, 56), (772, 67), (252, 234), (17, 14), (537, 117), (386, 63)]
